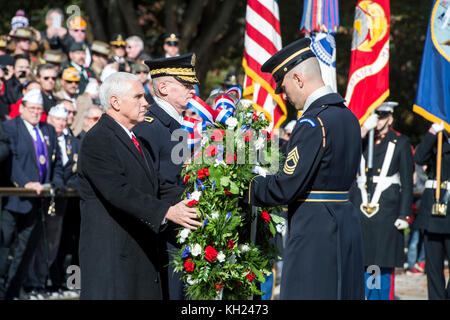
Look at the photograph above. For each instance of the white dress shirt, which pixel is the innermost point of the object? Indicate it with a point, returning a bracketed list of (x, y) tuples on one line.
[(169, 109), (62, 146), (30, 129), (322, 91)]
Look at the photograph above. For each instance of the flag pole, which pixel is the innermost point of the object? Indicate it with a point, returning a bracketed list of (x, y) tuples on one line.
[(439, 208), (370, 163)]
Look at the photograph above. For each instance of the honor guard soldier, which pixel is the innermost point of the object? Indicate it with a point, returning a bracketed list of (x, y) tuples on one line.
[(323, 254), (384, 198), (173, 82), (435, 221), (171, 45)]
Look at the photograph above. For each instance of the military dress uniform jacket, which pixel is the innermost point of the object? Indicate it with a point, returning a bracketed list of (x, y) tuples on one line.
[(383, 242), (121, 216), (425, 154), (323, 255), (24, 166), (155, 133)]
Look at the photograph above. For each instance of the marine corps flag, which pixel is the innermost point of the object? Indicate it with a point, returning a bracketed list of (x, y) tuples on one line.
[(433, 91), (368, 84), (262, 41)]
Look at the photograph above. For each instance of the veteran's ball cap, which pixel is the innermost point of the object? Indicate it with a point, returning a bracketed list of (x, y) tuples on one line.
[(286, 59), (181, 68), (33, 96), (58, 111), (70, 74)]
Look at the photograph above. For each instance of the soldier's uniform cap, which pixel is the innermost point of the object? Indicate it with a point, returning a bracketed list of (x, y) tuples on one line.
[(100, 47), (53, 56), (77, 22), (70, 74), (386, 109), (118, 40), (139, 67), (77, 46), (23, 33), (171, 39), (3, 41), (230, 80), (181, 68), (286, 59)]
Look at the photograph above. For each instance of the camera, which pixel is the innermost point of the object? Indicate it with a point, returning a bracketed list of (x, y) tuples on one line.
[(3, 67), (122, 66), (22, 74)]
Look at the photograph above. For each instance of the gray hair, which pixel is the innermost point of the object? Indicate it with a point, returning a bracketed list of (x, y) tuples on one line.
[(137, 40), (117, 84), (92, 107)]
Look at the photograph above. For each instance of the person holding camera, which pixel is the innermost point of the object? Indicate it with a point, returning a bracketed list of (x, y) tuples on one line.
[(55, 32), (20, 77)]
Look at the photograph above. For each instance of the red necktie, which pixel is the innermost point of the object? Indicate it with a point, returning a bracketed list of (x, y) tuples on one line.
[(136, 143)]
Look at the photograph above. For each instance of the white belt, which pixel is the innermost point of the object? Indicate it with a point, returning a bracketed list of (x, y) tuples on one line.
[(394, 179), (431, 184)]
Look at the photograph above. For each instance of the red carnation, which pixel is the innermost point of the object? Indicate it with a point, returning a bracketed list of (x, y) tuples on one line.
[(266, 216), (255, 117), (189, 265), (210, 253), (251, 276), (186, 179), (217, 135), (192, 203), (226, 191), (203, 173), (231, 158), (219, 285), (267, 133), (211, 151), (230, 244), (248, 135)]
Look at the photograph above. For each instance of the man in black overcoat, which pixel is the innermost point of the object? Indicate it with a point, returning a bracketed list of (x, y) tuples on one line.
[(124, 203)]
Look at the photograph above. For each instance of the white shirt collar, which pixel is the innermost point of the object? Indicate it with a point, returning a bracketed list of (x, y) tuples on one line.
[(322, 91), (169, 109), (129, 133)]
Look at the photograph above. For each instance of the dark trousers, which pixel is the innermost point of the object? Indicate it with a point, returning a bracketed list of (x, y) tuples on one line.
[(24, 231), (437, 247)]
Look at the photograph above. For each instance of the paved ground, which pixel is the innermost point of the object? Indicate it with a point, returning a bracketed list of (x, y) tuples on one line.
[(407, 287)]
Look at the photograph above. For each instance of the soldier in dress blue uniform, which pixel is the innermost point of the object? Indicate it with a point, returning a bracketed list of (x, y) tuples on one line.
[(384, 200), (435, 224), (323, 257), (35, 161), (173, 82)]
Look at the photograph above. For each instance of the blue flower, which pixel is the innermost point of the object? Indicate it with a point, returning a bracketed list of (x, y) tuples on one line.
[(200, 184), (228, 216), (186, 252), (188, 195), (214, 185), (205, 222)]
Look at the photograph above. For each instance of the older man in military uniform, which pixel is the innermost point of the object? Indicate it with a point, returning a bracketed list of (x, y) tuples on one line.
[(323, 255), (384, 198), (435, 223), (173, 82)]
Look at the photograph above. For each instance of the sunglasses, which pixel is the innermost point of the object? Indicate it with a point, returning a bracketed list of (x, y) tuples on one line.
[(139, 72), (68, 81), (79, 30), (47, 78)]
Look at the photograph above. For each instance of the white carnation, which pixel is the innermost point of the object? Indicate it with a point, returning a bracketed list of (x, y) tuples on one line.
[(221, 256), (191, 281), (259, 143), (215, 215), (231, 122), (196, 250), (195, 195), (205, 140), (244, 247), (184, 234)]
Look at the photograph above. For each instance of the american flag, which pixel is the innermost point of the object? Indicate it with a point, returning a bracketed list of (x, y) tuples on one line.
[(262, 40)]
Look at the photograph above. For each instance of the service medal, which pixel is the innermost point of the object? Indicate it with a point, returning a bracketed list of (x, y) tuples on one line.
[(42, 159)]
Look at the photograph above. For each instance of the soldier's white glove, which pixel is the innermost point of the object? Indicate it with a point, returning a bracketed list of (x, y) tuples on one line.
[(371, 122), (261, 171), (401, 224), (437, 127)]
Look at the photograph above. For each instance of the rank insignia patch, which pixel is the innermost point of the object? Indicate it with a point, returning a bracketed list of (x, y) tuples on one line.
[(291, 161)]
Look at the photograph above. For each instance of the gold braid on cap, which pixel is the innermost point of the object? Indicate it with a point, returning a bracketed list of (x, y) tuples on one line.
[(174, 71)]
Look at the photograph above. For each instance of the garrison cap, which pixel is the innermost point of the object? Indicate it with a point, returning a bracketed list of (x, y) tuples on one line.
[(171, 39), (77, 46), (286, 59), (181, 68)]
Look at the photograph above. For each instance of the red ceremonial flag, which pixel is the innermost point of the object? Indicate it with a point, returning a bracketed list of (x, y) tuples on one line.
[(368, 84), (262, 41)]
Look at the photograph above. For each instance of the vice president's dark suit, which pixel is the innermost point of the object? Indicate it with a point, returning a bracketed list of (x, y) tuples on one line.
[(121, 216)]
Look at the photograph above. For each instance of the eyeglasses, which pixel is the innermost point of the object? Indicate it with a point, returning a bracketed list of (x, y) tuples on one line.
[(47, 78), (139, 72), (185, 85), (79, 30), (35, 109), (72, 111)]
